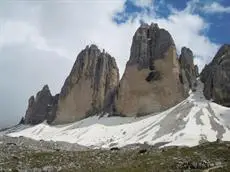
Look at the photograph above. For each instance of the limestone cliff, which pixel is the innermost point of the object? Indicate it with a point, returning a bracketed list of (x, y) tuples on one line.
[(90, 86), (151, 79), (216, 77)]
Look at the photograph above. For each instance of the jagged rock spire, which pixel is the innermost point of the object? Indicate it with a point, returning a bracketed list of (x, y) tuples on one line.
[(89, 87), (151, 79), (40, 107)]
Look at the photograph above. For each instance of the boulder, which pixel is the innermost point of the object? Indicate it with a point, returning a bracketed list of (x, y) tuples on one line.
[(151, 80), (40, 108), (216, 77), (90, 86), (188, 71)]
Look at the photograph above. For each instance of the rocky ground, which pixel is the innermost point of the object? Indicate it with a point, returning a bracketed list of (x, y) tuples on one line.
[(25, 155)]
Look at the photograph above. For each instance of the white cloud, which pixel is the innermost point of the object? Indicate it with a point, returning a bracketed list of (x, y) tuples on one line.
[(143, 3), (191, 6), (24, 70), (19, 32), (216, 8)]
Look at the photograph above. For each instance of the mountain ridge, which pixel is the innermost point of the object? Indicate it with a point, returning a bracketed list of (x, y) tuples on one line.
[(154, 80), (191, 122)]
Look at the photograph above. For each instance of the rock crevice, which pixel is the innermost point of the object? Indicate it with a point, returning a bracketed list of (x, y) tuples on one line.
[(188, 71)]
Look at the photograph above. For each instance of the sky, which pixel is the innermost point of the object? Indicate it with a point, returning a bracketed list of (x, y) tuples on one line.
[(40, 40)]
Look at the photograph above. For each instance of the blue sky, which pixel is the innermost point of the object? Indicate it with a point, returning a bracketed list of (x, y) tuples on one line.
[(40, 40), (215, 12)]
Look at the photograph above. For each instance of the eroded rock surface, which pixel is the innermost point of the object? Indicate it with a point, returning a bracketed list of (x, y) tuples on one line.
[(216, 77), (40, 108), (90, 87), (151, 79)]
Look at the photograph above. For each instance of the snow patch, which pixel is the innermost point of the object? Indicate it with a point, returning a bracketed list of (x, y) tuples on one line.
[(186, 124)]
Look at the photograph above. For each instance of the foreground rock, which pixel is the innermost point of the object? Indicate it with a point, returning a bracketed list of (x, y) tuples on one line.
[(42, 107), (90, 87), (151, 79), (216, 77), (17, 155), (189, 71)]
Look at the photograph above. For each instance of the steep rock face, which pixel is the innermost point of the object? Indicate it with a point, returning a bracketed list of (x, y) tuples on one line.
[(216, 77), (189, 71), (89, 88), (151, 79), (41, 107)]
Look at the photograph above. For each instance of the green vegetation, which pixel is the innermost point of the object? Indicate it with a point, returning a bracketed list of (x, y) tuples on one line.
[(213, 155)]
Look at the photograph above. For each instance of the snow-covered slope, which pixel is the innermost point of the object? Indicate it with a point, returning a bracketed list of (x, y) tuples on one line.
[(188, 123), (12, 129)]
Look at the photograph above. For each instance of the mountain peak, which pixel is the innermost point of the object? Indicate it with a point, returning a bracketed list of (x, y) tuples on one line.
[(151, 74), (89, 87)]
